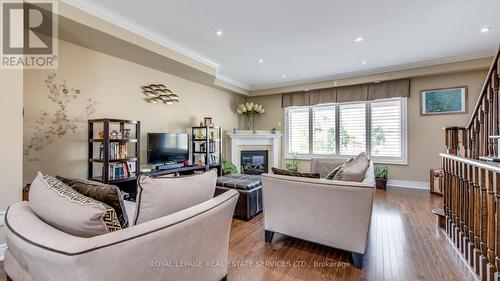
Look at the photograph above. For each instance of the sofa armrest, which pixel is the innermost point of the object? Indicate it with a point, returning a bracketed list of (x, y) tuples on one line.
[(199, 232)]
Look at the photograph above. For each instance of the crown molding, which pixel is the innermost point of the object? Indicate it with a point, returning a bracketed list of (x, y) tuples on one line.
[(233, 82), (116, 19)]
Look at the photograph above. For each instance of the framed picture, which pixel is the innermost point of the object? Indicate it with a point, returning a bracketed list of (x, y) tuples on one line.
[(443, 101), (208, 121)]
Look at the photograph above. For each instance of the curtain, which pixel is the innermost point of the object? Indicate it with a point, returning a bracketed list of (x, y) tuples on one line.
[(362, 92)]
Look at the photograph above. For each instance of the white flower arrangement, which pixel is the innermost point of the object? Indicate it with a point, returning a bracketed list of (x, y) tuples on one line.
[(250, 109)]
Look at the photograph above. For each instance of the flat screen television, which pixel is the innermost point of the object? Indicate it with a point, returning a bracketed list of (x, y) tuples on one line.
[(167, 147)]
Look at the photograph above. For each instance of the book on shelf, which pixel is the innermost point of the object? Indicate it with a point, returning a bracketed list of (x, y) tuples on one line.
[(121, 170), (116, 151)]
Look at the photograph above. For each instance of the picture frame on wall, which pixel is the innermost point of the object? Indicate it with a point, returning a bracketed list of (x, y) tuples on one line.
[(443, 101), (208, 121)]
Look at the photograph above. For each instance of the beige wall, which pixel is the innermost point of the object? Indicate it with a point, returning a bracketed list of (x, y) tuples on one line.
[(425, 135), (11, 120), (116, 85)]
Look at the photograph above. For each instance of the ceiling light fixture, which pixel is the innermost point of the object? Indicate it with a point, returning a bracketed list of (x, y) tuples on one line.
[(260, 60), (218, 33), (359, 39), (485, 29), (363, 62)]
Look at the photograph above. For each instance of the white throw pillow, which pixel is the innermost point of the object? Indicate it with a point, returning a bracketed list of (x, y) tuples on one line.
[(64, 208), (162, 196)]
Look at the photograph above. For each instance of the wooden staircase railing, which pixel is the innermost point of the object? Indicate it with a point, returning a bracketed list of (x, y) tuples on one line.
[(471, 182)]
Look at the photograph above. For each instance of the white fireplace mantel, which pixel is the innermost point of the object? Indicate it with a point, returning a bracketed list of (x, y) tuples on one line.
[(260, 140)]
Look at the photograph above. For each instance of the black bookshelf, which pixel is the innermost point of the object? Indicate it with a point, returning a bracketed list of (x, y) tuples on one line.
[(130, 163), (206, 148)]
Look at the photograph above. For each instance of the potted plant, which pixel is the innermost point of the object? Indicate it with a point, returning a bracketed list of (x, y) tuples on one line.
[(293, 165), (274, 130), (228, 167), (381, 176)]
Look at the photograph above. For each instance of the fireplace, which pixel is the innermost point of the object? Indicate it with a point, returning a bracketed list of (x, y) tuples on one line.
[(254, 162)]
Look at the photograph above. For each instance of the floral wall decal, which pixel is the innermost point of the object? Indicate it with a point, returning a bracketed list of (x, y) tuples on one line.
[(50, 126)]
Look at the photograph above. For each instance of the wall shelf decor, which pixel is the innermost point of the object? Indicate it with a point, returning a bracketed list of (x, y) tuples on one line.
[(159, 93)]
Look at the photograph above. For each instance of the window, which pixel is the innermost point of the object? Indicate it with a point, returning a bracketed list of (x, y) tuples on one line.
[(346, 129), (323, 130), (352, 136)]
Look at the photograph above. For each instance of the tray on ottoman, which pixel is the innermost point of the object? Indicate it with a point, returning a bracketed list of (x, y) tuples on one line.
[(250, 189)]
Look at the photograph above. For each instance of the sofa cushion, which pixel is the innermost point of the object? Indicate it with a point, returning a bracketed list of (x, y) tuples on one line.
[(105, 193), (353, 169), (162, 196), (282, 172), (64, 208)]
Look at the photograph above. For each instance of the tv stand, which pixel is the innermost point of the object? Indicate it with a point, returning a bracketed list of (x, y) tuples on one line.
[(185, 170), (169, 166)]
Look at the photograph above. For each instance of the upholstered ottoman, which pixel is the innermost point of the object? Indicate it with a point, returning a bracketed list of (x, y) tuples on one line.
[(250, 189)]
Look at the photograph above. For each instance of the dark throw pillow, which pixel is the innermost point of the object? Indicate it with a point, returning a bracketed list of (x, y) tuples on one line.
[(282, 172), (332, 174), (105, 193)]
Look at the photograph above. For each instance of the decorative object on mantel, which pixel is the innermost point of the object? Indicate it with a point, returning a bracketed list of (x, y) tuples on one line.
[(443, 101), (159, 93), (381, 176), (274, 131), (249, 110)]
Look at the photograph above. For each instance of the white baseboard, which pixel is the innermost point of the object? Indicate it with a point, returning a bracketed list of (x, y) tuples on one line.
[(3, 248), (408, 184)]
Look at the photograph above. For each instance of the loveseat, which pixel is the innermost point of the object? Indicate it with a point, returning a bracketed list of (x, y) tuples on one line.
[(329, 212)]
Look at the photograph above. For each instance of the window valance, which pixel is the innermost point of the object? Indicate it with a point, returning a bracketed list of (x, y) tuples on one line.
[(363, 92)]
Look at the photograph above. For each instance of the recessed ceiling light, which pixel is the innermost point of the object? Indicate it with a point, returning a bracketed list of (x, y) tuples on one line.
[(218, 33), (485, 29), (376, 81), (283, 76), (359, 39), (260, 60), (363, 62)]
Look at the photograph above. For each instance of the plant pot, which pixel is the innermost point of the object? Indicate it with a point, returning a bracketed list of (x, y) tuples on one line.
[(381, 183)]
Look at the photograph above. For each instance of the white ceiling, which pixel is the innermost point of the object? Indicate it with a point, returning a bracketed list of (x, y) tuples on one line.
[(314, 40)]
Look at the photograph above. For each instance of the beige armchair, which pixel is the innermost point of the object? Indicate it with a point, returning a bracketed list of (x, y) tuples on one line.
[(191, 244), (328, 212)]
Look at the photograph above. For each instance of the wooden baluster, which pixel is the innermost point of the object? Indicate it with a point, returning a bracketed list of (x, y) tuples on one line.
[(472, 134), (460, 206), (477, 131), (477, 221), (491, 268), (465, 184), (470, 245), (491, 113), (456, 218), (497, 231), (485, 126), (494, 90), (483, 260)]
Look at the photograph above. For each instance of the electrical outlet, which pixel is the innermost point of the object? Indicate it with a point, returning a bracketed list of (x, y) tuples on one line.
[(2, 218)]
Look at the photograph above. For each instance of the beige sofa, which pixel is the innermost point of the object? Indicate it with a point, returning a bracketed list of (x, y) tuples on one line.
[(332, 213), (191, 244)]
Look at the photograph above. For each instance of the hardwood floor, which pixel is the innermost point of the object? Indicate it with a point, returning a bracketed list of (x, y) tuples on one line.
[(403, 244)]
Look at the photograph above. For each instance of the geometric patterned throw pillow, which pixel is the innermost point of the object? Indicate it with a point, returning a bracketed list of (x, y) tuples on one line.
[(69, 211)]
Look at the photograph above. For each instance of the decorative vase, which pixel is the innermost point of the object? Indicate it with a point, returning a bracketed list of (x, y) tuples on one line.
[(250, 122)]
